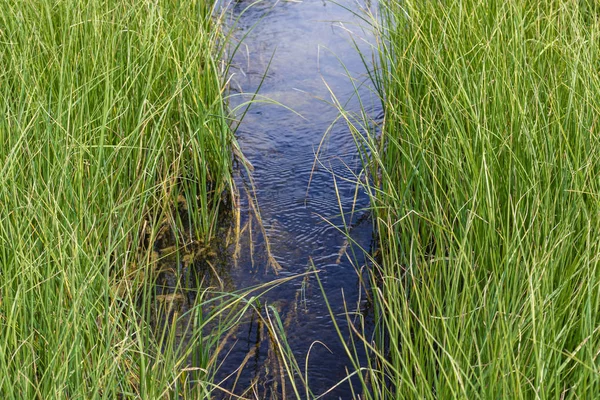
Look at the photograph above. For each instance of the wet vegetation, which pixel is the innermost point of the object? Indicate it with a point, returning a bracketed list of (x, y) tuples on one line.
[(116, 187), (485, 187), (115, 152)]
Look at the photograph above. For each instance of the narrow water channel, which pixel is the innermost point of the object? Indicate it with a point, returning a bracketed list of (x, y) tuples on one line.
[(293, 51)]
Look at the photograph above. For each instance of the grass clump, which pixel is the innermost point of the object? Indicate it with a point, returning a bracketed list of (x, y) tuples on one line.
[(111, 112), (486, 192)]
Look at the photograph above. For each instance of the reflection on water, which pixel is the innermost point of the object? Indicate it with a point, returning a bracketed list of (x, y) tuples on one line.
[(299, 46)]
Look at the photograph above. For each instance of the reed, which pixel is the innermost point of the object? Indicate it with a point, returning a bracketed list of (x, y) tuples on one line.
[(112, 113), (485, 187)]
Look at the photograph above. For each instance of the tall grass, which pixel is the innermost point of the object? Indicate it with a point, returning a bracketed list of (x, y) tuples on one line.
[(486, 192), (111, 110)]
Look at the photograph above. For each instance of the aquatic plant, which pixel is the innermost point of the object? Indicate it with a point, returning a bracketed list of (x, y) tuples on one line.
[(484, 181), (112, 127)]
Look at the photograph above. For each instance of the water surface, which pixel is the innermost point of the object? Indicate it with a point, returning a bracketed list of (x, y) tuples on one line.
[(299, 54)]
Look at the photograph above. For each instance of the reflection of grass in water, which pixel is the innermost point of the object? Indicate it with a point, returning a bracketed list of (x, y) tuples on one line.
[(111, 110), (484, 187)]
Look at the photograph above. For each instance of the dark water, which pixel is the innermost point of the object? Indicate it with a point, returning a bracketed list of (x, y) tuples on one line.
[(295, 50)]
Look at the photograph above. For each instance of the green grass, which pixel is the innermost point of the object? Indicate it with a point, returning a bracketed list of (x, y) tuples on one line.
[(109, 111), (486, 192), (484, 179)]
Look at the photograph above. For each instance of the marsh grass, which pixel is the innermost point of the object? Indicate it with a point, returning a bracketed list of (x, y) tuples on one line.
[(111, 112), (485, 187)]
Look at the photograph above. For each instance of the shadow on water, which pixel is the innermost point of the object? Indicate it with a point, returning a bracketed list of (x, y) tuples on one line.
[(293, 51)]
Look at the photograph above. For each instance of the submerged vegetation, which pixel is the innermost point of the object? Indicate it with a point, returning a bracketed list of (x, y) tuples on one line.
[(486, 196), (112, 131)]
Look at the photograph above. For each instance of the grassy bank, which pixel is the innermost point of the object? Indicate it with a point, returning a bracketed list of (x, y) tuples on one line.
[(111, 114), (487, 200)]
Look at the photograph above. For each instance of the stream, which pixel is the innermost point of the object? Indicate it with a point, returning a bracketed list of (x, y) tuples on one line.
[(299, 54)]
